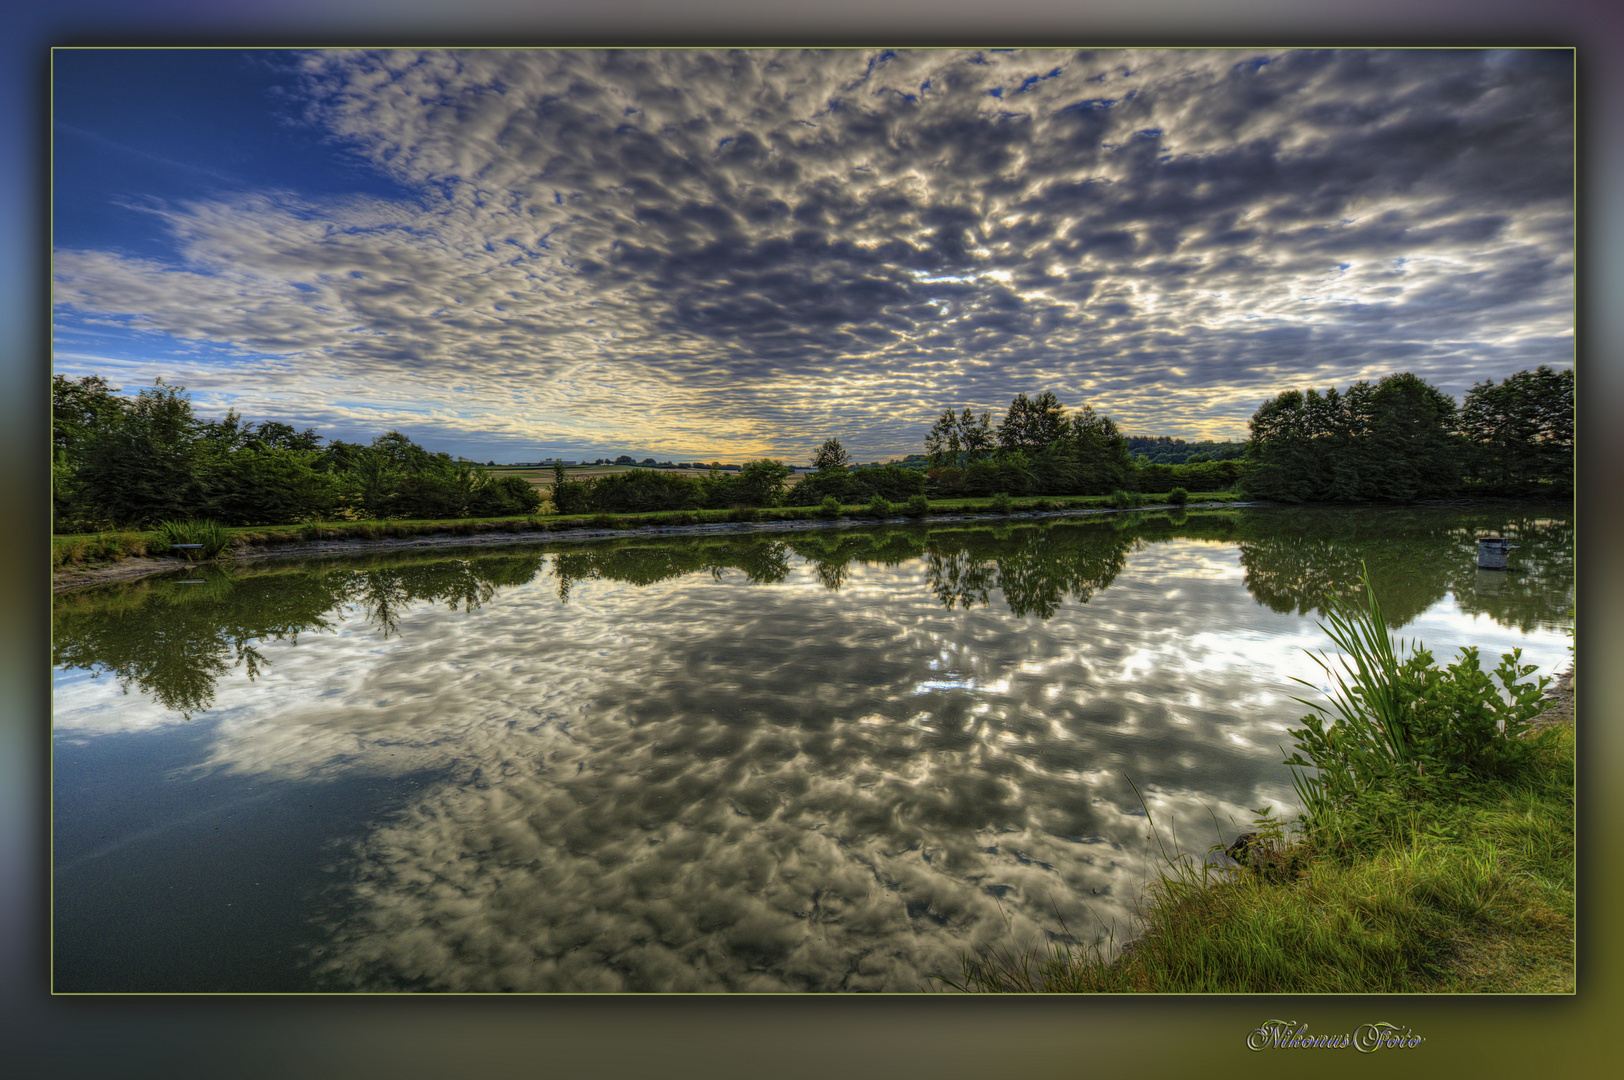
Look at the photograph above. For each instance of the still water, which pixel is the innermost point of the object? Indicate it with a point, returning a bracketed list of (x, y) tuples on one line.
[(797, 762)]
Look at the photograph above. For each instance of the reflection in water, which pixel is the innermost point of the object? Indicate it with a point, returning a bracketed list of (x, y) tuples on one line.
[(820, 761), (1416, 556), (175, 640)]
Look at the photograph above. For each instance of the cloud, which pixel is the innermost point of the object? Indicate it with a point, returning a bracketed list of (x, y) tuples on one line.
[(752, 250)]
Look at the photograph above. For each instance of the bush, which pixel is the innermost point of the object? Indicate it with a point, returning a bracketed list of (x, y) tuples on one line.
[(269, 487), (1178, 496), (829, 507), (760, 483), (573, 496), (210, 534), (917, 506), (819, 488), (1403, 726), (504, 497), (880, 507), (1002, 503), (114, 545), (743, 513), (645, 489)]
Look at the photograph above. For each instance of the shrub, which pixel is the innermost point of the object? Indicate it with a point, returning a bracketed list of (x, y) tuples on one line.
[(1002, 503), (880, 507), (504, 496), (210, 534), (645, 489), (1400, 724), (743, 513), (917, 506), (1122, 500), (114, 545), (829, 507), (573, 496), (760, 483), (1178, 496)]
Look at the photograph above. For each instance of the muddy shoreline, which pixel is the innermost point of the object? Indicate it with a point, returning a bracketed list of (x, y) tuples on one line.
[(65, 579)]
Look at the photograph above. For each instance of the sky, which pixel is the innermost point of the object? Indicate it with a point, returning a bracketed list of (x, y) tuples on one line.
[(728, 254)]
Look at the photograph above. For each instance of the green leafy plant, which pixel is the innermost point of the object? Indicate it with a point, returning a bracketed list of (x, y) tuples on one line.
[(1002, 503), (1178, 496), (211, 535), (1398, 723), (917, 506), (880, 507), (829, 507)]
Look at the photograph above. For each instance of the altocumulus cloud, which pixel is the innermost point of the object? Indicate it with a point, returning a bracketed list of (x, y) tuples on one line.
[(747, 252)]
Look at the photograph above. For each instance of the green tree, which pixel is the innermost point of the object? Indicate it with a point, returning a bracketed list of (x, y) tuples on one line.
[(1412, 450), (1031, 424), (1519, 433), (1393, 441), (942, 443), (1103, 462), (1284, 462), (831, 455), (759, 483), (976, 439), (79, 409), (278, 436), (263, 485), (144, 466)]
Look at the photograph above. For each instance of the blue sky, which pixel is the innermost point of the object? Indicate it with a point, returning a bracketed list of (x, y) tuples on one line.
[(727, 254)]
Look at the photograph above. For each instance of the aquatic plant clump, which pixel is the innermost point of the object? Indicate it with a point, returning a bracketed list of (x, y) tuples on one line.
[(1398, 723), (211, 537)]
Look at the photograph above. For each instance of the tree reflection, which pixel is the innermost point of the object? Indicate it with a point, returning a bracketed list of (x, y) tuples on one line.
[(176, 640), (1295, 558), (1036, 569), (763, 560)]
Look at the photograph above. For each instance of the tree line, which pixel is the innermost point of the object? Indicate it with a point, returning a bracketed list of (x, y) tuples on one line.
[(137, 461), (121, 461), (1401, 439)]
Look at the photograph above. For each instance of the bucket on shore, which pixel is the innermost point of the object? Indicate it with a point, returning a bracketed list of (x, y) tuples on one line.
[(1492, 552)]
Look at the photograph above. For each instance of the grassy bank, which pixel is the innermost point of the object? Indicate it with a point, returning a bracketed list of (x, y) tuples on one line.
[(1436, 854), (83, 549), (1444, 897)]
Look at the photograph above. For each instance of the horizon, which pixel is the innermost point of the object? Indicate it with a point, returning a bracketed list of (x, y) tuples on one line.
[(510, 254)]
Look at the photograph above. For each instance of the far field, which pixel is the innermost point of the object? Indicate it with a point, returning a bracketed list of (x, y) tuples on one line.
[(542, 476)]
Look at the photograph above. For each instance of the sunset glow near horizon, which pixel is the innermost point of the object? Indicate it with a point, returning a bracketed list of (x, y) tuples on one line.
[(702, 255)]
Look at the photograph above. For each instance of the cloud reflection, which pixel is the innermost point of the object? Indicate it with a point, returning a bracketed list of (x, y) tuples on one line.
[(724, 775)]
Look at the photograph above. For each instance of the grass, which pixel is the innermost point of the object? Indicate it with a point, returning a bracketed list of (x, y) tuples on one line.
[(76, 550), (193, 540), (1435, 853), (1472, 897)]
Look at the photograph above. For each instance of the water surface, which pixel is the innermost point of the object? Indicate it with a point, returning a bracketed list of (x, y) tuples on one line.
[(807, 762)]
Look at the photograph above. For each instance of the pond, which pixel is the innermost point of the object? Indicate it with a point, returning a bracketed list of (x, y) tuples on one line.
[(807, 762)]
